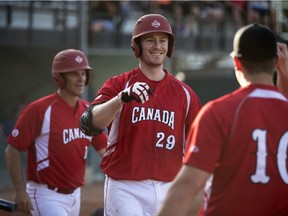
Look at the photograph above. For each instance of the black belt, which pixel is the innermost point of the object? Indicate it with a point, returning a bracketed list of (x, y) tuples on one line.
[(62, 190)]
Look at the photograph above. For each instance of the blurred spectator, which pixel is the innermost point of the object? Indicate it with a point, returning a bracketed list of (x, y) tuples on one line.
[(192, 16), (125, 8), (105, 15), (185, 18), (237, 10), (212, 12), (178, 23), (153, 7), (259, 12), (158, 6)]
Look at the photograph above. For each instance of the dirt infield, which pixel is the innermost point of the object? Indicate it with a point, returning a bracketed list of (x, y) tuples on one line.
[(92, 199)]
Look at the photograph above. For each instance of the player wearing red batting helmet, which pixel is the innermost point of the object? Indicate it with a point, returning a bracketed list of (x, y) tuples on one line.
[(69, 60), (48, 129), (148, 24), (147, 112)]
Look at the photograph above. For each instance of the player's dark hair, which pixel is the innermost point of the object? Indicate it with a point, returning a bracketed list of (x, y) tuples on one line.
[(138, 42), (63, 76), (259, 67)]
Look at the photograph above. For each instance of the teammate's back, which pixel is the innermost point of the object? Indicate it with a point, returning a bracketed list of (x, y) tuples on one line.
[(237, 145), (253, 157)]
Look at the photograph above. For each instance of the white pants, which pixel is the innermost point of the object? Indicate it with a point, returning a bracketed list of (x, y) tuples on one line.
[(48, 202), (133, 198)]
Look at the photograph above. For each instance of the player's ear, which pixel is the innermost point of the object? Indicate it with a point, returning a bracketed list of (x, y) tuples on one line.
[(237, 64)]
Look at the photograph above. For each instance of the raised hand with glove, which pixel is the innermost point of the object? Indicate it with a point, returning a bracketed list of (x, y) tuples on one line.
[(138, 91)]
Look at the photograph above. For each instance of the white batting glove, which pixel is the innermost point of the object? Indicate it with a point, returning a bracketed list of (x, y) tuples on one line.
[(138, 91)]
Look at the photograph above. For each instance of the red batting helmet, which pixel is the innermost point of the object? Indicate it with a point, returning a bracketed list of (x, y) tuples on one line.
[(148, 24), (67, 61)]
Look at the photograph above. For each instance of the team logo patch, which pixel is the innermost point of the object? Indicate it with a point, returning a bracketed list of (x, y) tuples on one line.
[(78, 59), (15, 133), (155, 24)]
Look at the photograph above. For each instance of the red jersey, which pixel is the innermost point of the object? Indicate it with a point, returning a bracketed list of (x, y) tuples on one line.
[(49, 130), (146, 141), (242, 138)]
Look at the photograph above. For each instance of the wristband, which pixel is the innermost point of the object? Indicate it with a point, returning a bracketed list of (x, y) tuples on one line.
[(119, 100)]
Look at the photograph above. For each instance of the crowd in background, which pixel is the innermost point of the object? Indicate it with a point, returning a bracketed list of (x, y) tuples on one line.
[(185, 16), (188, 18)]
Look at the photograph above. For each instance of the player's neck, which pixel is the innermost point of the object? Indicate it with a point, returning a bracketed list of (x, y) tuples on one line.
[(70, 99), (261, 79), (153, 73)]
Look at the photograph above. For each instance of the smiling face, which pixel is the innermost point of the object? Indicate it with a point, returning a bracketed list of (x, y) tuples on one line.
[(75, 83), (154, 49)]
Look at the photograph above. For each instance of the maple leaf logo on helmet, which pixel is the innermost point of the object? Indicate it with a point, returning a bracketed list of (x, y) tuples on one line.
[(69, 60), (155, 24), (78, 59)]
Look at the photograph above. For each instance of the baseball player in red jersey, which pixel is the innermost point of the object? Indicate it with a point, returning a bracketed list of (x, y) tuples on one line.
[(148, 112), (239, 142), (48, 129)]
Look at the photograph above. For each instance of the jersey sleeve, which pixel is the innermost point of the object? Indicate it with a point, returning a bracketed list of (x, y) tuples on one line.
[(26, 129), (204, 141), (110, 89), (194, 108), (100, 141)]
